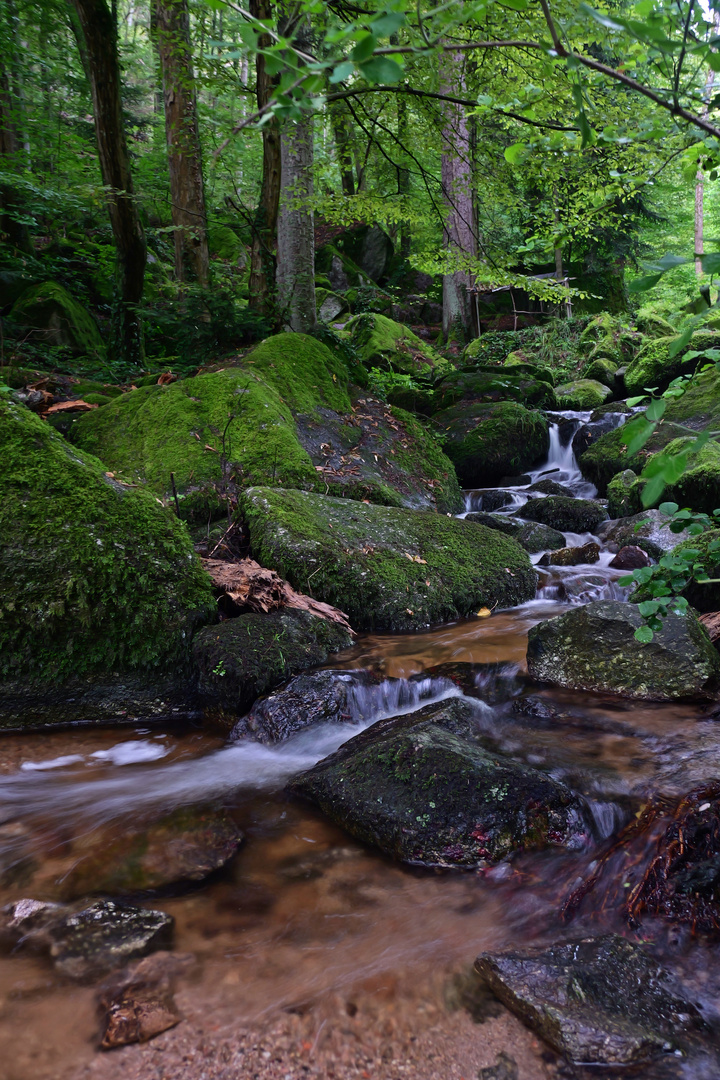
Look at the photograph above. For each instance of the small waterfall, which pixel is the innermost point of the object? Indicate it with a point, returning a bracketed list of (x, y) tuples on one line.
[(561, 464), (495, 500)]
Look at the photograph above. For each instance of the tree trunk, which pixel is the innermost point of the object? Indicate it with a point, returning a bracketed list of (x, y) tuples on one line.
[(342, 132), (262, 254), (403, 176), (459, 322), (296, 228), (97, 41), (171, 24), (11, 150)]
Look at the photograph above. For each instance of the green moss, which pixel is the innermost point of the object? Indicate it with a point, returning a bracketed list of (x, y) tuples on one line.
[(653, 365), (582, 394), (98, 399), (494, 385), (601, 370), (388, 569), (654, 326), (50, 309), (90, 386), (303, 371), (93, 577), (607, 337), (624, 494), (520, 361), (487, 442), (421, 457), (382, 342), (699, 486)]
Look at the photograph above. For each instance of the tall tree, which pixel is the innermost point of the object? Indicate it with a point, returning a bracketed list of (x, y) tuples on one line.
[(171, 26), (262, 254), (96, 33), (459, 232), (296, 227), (11, 149)]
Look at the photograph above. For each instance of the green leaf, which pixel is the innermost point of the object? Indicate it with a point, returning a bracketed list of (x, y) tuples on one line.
[(642, 284), (655, 409), (342, 71), (648, 607), (636, 433), (517, 153), (632, 401), (644, 635), (387, 24), (381, 69), (668, 508), (681, 341), (710, 262), (364, 49)]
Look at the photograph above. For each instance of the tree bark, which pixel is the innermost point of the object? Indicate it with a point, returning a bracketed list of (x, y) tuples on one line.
[(296, 228), (342, 132), (262, 254), (459, 234), (171, 24), (95, 31), (11, 148)]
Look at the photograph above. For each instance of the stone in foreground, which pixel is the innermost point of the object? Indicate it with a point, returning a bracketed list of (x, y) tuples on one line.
[(387, 568), (600, 1001), (422, 789), (564, 514), (594, 648), (107, 935)]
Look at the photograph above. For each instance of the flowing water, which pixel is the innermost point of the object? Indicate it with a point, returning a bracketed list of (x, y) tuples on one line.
[(346, 964)]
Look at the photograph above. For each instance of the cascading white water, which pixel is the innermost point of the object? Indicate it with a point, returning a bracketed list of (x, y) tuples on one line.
[(561, 464)]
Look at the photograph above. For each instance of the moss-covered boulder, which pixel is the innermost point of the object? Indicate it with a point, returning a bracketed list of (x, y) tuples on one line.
[(654, 367), (384, 343), (594, 648), (699, 486), (423, 790), (565, 514), (698, 408), (704, 597), (602, 370), (54, 317), (530, 535), (99, 585), (241, 658), (388, 569), (624, 494), (653, 325), (490, 386), (521, 363), (486, 442), (582, 394), (607, 336)]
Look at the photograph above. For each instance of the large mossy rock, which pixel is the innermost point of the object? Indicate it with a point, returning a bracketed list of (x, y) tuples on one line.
[(99, 585), (530, 535), (53, 317), (384, 343), (699, 486), (241, 658), (606, 336), (582, 394), (522, 364), (594, 648), (698, 408), (565, 514), (654, 367), (422, 789), (494, 385), (596, 1001), (283, 416), (624, 494), (648, 530), (601, 370), (486, 442), (388, 569)]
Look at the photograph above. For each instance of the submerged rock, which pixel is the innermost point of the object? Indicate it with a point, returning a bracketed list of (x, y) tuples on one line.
[(594, 648), (241, 658), (422, 789), (597, 1001), (388, 569), (137, 1004), (106, 935), (572, 556), (567, 515)]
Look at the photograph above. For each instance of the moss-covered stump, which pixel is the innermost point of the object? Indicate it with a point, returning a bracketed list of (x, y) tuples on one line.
[(388, 569), (486, 442), (380, 453), (422, 790), (698, 408), (55, 317), (490, 386), (384, 343), (594, 648), (582, 394), (100, 590), (653, 365), (565, 514), (241, 658)]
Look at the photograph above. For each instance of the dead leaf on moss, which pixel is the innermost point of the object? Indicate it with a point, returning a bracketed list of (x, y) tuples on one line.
[(71, 406)]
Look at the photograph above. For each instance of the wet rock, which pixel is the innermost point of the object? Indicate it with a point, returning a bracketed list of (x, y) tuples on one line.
[(27, 920), (624, 494), (630, 557), (242, 658), (505, 1068), (596, 1001), (653, 534), (137, 1004), (536, 537), (422, 789), (485, 441), (493, 384), (491, 683), (502, 522), (488, 501), (572, 556), (582, 394), (594, 648), (388, 569), (567, 515), (185, 845), (106, 935), (551, 487), (588, 434)]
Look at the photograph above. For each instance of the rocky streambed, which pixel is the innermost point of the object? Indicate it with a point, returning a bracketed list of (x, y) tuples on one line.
[(408, 863)]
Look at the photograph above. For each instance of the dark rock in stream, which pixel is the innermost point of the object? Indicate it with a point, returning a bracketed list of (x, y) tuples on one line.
[(594, 648), (551, 487), (106, 935), (572, 556), (630, 557), (648, 531), (531, 535), (493, 499), (599, 1001), (567, 515), (492, 683), (422, 789)]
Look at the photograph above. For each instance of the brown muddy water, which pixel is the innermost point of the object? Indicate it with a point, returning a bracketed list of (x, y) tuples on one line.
[(312, 955)]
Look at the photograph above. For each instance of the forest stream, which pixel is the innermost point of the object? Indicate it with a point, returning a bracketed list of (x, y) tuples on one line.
[(309, 954)]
